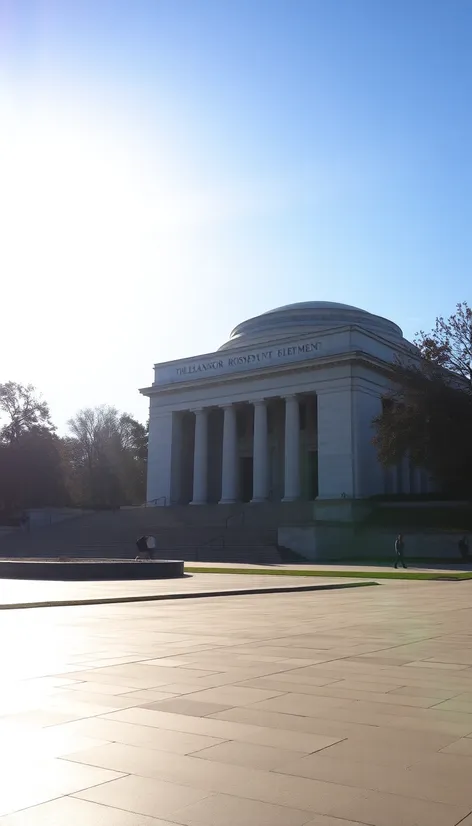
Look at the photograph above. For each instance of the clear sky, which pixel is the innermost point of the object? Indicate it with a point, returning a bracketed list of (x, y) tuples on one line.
[(169, 168)]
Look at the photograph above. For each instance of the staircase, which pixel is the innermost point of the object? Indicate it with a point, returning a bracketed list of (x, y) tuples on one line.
[(210, 533)]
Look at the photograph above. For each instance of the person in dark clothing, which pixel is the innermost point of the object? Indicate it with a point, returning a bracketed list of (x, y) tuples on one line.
[(399, 550), (464, 548), (143, 550)]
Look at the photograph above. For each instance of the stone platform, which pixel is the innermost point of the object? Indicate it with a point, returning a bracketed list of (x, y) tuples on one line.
[(91, 569)]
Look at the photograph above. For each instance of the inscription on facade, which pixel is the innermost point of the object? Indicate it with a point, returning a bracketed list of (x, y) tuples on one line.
[(262, 357)]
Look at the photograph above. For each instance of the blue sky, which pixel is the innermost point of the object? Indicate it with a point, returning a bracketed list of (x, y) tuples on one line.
[(168, 169)]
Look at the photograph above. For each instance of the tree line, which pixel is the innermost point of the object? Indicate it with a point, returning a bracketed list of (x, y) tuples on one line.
[(100, 463)]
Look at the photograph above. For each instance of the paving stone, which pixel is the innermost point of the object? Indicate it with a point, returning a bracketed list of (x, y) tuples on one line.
[(247, 754), (224, 810), (26, 783), (182, 705), (69, 811), (143, 796), (222, 729)]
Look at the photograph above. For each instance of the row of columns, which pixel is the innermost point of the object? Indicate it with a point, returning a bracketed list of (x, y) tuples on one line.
[(229, 473)]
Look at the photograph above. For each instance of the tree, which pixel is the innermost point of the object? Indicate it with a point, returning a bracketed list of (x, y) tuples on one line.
[(23, 410), (32, 473), (428, 415), (134, 444), (449, 346), (107, 455), (31, 468)]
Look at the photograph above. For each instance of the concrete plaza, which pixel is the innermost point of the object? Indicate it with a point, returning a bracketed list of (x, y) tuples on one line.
[(329, 708), (34, 593)]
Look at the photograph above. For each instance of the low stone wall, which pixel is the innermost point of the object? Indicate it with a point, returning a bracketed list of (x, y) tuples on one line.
[(7, 530), (344, 541), (41, 517), (89, 570), (302, 540)]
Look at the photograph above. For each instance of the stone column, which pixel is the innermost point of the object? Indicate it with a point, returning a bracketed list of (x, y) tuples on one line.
[(200, 458), (292, 450), (176, 482), (260, 453), (418, 483), (405, 475), (229, 470)]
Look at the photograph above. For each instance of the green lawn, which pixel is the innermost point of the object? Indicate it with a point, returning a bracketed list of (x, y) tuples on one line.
[(393, 574)]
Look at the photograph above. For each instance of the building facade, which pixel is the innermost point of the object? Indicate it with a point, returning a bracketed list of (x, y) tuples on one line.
[(282, 411)]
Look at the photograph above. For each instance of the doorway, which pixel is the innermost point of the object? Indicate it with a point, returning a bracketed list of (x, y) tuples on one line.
[(245, 475)]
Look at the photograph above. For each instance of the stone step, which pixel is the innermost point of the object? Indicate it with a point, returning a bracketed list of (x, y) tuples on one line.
[(201, 529), (164, 538)]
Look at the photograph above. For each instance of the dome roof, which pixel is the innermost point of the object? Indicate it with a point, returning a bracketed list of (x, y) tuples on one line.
[(305, 318)]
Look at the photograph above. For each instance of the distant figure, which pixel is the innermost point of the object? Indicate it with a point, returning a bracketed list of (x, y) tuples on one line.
[(464, 548), (399, 549), (143, 550)]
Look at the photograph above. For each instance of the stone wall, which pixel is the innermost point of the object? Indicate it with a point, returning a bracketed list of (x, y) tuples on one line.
[(345, 542)]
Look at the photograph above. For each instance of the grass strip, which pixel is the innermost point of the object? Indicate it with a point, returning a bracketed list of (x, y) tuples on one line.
[(425, 575)]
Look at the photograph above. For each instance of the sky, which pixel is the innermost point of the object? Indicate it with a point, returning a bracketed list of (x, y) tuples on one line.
[(169, 168)]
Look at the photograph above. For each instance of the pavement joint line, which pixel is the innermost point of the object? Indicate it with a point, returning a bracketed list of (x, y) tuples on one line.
[(232, 592)]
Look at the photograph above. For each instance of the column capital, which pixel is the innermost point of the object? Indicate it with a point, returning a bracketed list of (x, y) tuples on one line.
[(259, 402), (226, 405), (198, 410), (290, 397)]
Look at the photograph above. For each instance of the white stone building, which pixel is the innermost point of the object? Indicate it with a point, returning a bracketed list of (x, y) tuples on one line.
[(282, 411)]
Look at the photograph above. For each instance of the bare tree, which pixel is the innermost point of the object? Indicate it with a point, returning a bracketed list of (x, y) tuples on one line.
[(108, 456), (449, 344)]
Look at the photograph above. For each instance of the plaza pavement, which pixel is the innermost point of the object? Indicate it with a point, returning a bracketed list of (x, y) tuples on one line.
[(329, 708), (33, 592), (23, 592)]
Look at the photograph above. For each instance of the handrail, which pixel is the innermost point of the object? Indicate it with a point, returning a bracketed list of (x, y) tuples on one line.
[(213, 539), (208, 543), (241, 514), (153, 502)]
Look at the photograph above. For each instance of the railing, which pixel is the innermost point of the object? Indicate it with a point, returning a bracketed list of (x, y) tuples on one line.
[(241, 515), (208, 543), (155, 502)]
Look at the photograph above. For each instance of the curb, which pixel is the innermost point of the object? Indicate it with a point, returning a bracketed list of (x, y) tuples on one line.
[(192, 595)]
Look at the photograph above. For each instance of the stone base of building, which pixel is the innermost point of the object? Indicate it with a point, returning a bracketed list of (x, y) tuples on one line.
[(350, 511)]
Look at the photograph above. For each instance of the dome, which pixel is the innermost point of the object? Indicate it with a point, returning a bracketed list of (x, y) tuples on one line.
[(307, 317)]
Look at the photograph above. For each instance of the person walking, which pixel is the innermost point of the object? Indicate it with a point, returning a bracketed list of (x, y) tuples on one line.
[(399, 550)]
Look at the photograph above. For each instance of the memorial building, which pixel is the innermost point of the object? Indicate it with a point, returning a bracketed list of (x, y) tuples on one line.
[(282, 411)]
